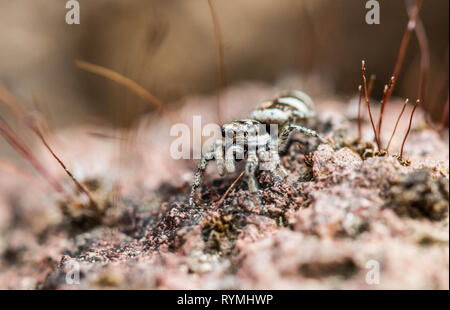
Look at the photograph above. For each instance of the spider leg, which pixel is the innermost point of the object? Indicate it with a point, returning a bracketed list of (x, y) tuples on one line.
[(220, 161), (199, 172), (289, 130), (279, 168), (230, 157), (272, 156), (264, 158), (250, 168)]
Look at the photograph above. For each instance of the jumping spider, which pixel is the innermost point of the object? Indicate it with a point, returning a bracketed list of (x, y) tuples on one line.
[(249, 137)]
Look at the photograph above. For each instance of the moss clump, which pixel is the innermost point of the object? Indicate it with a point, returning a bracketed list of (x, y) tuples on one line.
[(365, 149), (220, 234), (419, 195), (83, 215)]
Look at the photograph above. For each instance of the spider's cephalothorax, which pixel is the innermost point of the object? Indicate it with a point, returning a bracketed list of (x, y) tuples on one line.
[(255, 140)]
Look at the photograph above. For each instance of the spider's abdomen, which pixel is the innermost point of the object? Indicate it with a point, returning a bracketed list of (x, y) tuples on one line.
[(291, 106)]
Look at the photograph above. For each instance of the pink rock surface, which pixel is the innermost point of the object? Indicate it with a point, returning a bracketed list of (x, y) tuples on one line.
[(324, 227)]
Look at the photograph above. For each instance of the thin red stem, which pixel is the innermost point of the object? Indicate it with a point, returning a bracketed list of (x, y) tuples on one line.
[(409, 127), (359, 113), (368, 104), (386, 94), (79, 186), (35, 126), (396, 124), (404, 43), (371, 83), (222, 199), (444, 118), (301, 149), (220, 56), (424, 60), (7, 133)]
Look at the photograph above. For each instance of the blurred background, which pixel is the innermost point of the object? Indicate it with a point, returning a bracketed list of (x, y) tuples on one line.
[(169, 48)]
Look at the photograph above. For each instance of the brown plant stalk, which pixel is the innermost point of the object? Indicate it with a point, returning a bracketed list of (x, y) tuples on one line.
[(220, 57), (122, 80), (396, 124), (404, 43), (130, 84), (359, 113), (35, 126), (444, 117), (409, 127), (16, 143), (386, 93), (371, 83), (363, 67), (222, 199)]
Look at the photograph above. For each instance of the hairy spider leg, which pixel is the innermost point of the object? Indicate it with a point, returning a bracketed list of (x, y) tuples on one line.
[(208, 156), (274, 157), (220, 161), (250, 169), (291, 129), (230, 154)]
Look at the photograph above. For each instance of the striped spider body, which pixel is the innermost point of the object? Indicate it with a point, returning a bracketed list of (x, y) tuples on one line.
[(259, 139)]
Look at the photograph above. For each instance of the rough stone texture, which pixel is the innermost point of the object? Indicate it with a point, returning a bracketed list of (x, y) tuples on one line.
[(322, 227)]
